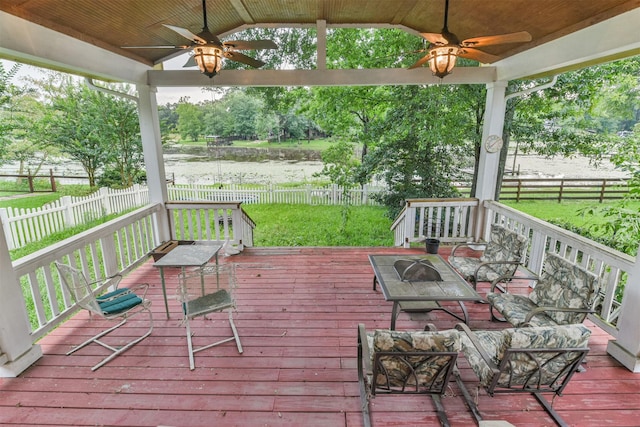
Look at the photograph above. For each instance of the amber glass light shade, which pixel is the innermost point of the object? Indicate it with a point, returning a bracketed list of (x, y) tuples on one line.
[(209, 59), (443, 59)]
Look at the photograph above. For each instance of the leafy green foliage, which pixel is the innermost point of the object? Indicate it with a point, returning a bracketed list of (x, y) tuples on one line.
[(189, 120), (421, 144)]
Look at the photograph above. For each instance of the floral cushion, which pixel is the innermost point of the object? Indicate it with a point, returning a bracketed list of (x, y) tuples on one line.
[(504, 245), (422, 370), (523, 368), (563, 284), (515, 308)]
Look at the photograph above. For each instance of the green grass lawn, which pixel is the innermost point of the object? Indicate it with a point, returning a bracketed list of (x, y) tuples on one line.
[(306, 225), (564, 212)]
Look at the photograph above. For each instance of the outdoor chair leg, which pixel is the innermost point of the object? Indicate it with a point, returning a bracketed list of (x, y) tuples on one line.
[(116, 351), (442, 415), (547, 406), (467, 397)]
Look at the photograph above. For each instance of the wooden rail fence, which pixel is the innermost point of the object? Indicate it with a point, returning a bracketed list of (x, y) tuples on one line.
[(600, 189)]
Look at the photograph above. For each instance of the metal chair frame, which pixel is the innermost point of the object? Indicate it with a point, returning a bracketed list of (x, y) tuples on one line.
[(370, 366), (83, 293), (205, 303), (540, 357)]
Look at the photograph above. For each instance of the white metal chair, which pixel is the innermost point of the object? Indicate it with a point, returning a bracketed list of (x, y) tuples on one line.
[(121, 303), (203, 292)]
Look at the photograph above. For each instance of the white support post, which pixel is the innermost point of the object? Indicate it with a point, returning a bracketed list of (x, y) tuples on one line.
[(488, 164), (15, 339), (152, 149), (409, 226), (626, 348)]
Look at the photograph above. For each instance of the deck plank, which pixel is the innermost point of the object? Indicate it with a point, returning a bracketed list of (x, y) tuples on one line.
[(297, 316)]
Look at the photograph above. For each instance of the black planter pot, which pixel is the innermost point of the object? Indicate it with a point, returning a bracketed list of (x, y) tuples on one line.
[(432, 245)]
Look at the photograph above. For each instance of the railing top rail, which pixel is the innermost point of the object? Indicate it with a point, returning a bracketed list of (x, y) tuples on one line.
[(455, 201), (51, 253), (190, 204)]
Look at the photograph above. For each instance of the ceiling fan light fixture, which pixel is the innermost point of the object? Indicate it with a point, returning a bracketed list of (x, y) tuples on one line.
[(442, 59), (208, 59)]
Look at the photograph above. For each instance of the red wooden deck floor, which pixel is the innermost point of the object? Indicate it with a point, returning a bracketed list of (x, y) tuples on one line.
[(298, 310)]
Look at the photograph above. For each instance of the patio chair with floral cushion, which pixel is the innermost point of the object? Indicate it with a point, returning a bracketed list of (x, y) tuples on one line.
[(395, 362), (524, 360), (502, 255), (564, 294)]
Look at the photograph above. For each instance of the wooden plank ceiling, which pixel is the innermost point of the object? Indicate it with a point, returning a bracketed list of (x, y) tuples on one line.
[(115, 23)]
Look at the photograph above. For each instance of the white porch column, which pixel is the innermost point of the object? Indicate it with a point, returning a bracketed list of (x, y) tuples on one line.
[(626, 348), (152, 148), (488, 163), (17, 352)]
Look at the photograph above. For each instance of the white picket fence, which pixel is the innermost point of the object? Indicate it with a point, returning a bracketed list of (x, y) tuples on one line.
[(23, 226)]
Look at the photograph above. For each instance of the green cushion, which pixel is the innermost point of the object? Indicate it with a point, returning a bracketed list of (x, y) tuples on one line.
[(118, 301)]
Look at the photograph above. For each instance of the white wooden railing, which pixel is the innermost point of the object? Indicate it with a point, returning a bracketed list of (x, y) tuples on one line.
[(117, 246), (448, 220), (609, 265), (218, 222)]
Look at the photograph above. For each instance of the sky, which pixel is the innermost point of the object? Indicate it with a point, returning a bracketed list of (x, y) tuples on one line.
[(165, 94)]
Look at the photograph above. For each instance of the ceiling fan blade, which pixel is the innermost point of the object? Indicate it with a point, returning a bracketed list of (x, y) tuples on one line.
[(478, 55), (250, 44), (240, 57), (420, 62), (186, 34), (519, 37), (434, 38), (156, 47)]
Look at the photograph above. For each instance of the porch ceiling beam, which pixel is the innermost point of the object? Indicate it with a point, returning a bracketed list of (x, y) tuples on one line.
[(606, 41), (29, 43), (371, 77)]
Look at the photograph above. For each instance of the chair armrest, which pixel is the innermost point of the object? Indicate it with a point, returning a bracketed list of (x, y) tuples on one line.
[(364, 352), (116, 278), (540, 310), (476, 343), (143, 287), (469, 244), (490, 263), (510, 277)]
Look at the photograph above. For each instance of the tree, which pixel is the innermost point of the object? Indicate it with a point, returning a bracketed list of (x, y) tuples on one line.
[(121, 127), (422, 144), (98, 130), (8, 122), (190, 124)]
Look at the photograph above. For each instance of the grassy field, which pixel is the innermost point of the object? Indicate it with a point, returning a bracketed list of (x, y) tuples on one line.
[(305, 225)]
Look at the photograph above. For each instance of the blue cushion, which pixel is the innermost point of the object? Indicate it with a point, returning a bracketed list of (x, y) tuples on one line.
[(118, 301)]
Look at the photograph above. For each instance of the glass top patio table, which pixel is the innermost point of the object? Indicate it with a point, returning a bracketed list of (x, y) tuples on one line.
[(183, 256), (421, 296)]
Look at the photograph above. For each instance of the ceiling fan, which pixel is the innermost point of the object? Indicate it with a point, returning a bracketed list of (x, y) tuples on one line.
[(446, 47), (209, 51)]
